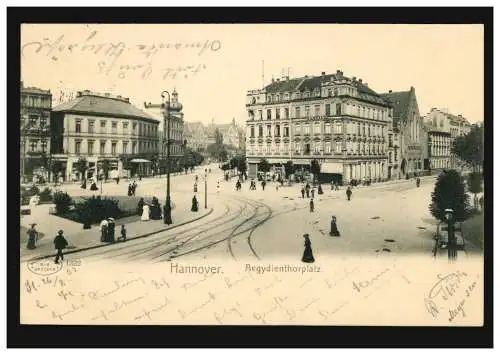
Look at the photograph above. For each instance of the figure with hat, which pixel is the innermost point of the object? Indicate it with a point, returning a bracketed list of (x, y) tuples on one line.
[(194, 204), (104, 229), (145, 212), (348, 193), (60, 243), (32, 237), (307, 257), (334, 232), (311, 205)]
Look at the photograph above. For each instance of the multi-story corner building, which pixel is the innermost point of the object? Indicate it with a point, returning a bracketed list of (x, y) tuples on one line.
[(442, 121), (438, 143), (36, 105), (100, 127), (406, 155), (337, 120)]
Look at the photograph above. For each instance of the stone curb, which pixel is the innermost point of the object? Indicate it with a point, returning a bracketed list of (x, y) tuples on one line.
[(137, 237)]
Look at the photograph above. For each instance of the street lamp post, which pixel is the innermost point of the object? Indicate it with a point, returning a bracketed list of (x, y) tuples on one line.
[(452, 242), (167, 209), (205, 188)]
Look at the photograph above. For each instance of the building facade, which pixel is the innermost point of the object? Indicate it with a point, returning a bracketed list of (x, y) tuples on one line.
[(408, 134), (336, 120), (441, 120), (196, 136), (97, 127), (438, 148), (36, 105)]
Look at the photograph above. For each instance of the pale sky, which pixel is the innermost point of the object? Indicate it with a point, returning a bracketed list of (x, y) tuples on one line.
[(443, 62)]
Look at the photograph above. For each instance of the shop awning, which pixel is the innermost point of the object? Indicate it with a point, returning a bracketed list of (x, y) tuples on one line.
[(332, 168), (139, 160)]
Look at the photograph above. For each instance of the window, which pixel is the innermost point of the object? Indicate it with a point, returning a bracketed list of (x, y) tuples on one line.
[(269, 114), (328, 128), (307, 148), (338, 128), (260, 114), (125, 148), (33, 119), (91, 126), (307, 129), (287, 131), (268, 131), (277, 113), (134, 127), (390, 157), (316, 110), (78, 126), (297, 128), (102, 147), (43, 121), (33, 145), (327, 109), (338, 109), (103, 125), (113, 126), (359, 128), (44, 145), (369, 130), (125, 127), (252, 132), (297, 112), (329, 92), (328, 148), (317, 147), (307, 111), (260, 131), (338, 147), (268, 148), (277, 131), (317, 128), (134, 147), (297, 147), (78, 145), (90, 147), (287, 113)]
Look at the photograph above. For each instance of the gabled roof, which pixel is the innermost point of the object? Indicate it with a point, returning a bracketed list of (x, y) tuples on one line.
[(283, 85), (101, 105), (400, 102), (192, 127)]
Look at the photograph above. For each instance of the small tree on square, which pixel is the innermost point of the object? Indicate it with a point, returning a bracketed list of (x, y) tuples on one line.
[(449, 192)]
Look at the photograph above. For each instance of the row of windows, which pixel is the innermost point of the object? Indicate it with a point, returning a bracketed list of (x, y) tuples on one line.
[(327, 109), (142, 129), (37, 146), (307, 94), (38, 101), (320, 147), (36, 120), (319, 127), (91, 147)]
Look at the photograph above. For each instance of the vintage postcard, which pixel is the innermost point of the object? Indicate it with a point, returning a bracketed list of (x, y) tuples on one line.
[(252, 174)]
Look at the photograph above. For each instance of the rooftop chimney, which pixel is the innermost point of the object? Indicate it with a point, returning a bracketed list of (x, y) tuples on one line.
[(353, 78), (78, 93), (323, 73), (390, 91), (360, 80), (127, 99), (272, 80), (277, 79), (338, 72)]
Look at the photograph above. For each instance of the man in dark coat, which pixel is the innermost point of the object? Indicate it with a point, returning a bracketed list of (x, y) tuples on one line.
[(348, 193), (311, 205), (307, 256), (194, 204), (140, 205), (334, 232), (60, 243), (111, 230), (303, 192)]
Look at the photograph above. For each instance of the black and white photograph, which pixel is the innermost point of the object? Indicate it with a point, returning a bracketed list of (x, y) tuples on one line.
[(252, 174)]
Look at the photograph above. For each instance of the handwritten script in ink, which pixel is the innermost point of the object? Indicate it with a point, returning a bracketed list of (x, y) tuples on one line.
[(122, 60)]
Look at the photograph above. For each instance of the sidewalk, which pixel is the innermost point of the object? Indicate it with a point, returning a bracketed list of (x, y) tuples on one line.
[(80, 239)]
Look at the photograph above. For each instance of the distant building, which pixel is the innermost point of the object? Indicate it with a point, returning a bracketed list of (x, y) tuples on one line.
[(196, 136), (335, 119), (36, 105), (406, 155), (438, 143), (455, 125), (98, 127)]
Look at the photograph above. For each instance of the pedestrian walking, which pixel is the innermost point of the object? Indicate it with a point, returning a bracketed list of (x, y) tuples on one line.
[(117, 180), (348, 193), (60, 243), (84, 184), (333, 185), (32, 237), (263, 184), (334, 232), (303, 192), (104, 229), (123, 233), (336, 186), (140, 206), (218, 186), (312, 193), (111, 230), (311, 205), (194, 204), (320, 190), (418, 182), (307, 256)]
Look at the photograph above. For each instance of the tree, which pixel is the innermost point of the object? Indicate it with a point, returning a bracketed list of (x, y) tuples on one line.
[(449, 192), (470, 147), (474, 183), (242, 164), (105, 165), (55, 168), (315, 168), (264, 165), (289, 169), (81, 166)]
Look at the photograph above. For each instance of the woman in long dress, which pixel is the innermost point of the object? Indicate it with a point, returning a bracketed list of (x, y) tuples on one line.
[(307, 257), (145, 213), (334, 232), (32, 237)]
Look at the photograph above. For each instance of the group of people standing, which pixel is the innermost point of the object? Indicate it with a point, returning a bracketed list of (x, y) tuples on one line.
[(93, 185), (108, 231), (149, 211), (131, 188)]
